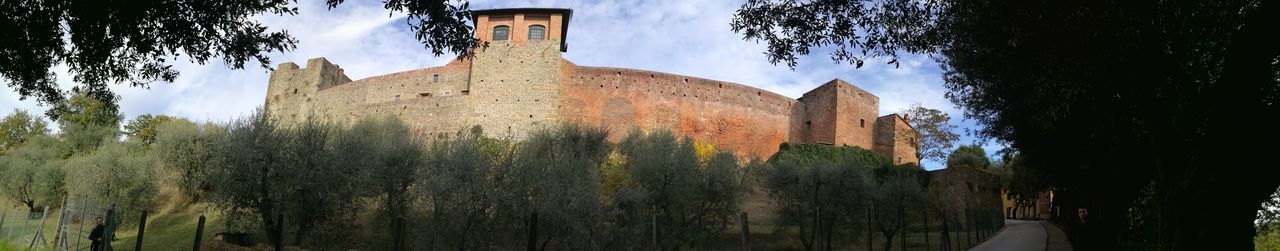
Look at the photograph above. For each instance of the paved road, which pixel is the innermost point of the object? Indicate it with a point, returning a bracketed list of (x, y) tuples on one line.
[(1016, 235)]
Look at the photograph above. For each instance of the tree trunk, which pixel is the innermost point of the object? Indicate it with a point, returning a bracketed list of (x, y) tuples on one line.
[(1211, 204)]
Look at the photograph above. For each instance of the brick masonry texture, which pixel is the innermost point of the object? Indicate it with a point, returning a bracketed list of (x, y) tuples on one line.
[(516, 86)]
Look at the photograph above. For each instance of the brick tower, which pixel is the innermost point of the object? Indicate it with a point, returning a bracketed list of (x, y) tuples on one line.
[(515, 81)]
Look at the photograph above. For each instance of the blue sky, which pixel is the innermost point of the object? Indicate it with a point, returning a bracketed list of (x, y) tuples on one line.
[(688, 37)]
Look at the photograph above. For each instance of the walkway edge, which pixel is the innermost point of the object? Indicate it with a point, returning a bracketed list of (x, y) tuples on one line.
[(1047, 237), (1055, 240)]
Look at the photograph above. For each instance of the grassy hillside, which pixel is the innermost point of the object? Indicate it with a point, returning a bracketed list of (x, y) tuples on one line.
[(165, 231), (806, 153), (169, 231)]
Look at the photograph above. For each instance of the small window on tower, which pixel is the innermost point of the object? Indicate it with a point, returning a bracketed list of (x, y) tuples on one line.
[(435, 78), (537, 32), (501, 32), (862, 123)]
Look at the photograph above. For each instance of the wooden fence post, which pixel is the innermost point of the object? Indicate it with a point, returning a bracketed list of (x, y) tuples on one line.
[(142, 230), (746, 231), (926, 229), (870, 238), (199, 233), (109, 233), (655, 229), (279, 245), (84, 207), (39, 233), (533, 232), (902, 223)]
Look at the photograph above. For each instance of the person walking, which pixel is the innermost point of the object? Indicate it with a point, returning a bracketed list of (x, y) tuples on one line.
[(1081, 234), (95, 237)]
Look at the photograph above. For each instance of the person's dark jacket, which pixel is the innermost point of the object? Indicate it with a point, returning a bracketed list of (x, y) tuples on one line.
[(97, 233)]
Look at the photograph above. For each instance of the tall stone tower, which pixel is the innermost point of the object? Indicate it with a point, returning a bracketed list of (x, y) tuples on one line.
[(291, 90), (515, 81)]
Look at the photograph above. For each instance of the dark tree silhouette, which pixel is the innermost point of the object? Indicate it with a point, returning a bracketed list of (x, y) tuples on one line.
[(135, 42), (1103, 96)]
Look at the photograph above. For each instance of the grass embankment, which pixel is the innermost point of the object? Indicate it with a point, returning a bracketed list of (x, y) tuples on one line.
[(16, 233), (169, 231), (172, 228)]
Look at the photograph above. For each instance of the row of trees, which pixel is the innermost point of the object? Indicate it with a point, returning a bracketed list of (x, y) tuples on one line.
[(566, 187), (86, 158), (375, 182), (826, 193)]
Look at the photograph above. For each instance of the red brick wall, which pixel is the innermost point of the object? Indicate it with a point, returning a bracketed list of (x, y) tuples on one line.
[(750, 121), (519, 23)]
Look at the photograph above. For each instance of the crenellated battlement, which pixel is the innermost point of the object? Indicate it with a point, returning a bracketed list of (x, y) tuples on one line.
[(291, 90)]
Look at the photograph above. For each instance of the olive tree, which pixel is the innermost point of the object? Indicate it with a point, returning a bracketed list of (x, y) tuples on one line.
[(264, 170), (186, 151), (898, 190), (19, 126), (689, 204), (468, 207), (26, 169), (387, 156), (320, 192), (116, 172), (824, 200), (558, 177)]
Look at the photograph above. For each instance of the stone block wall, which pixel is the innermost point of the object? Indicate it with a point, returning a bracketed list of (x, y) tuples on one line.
[(515, 89), (291, 90), (967, 187), (894, 138)]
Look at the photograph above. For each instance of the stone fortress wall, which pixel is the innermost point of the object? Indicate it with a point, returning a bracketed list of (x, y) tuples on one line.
[(516, 86)]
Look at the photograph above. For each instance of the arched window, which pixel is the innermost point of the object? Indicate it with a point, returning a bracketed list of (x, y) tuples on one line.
[(537, 32), (502, 32)]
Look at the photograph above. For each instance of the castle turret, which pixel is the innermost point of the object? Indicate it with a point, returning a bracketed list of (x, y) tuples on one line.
[(838, 113), (291, 89), (896, 139)]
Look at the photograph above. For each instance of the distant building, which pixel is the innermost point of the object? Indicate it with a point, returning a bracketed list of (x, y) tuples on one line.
[(521, 82), (967, 187), (1040, 209)]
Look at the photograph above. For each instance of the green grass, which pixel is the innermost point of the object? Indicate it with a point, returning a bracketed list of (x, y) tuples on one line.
[(164, 231), (16, 233), (764, 238), (168, 232)]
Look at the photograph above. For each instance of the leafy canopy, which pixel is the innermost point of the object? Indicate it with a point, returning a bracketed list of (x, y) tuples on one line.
[(18, 127), (1148, 90), (137, 42), (937, 134)]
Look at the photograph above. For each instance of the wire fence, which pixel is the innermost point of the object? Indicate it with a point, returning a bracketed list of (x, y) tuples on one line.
[(64, 228), (923, 229)]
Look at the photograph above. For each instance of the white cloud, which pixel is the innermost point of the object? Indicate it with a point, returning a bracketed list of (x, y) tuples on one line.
[(682, 37)]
